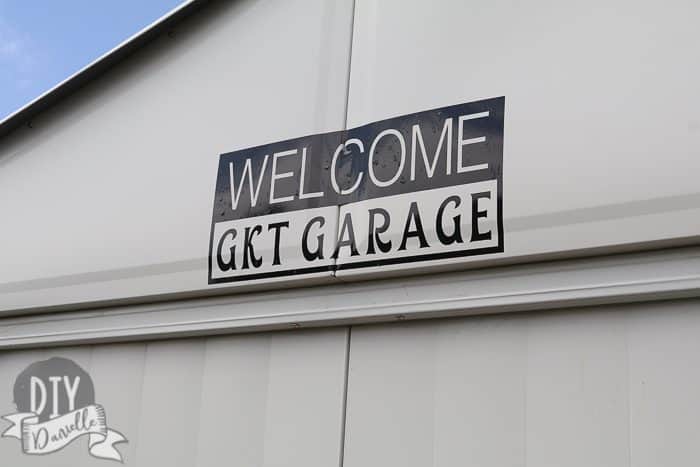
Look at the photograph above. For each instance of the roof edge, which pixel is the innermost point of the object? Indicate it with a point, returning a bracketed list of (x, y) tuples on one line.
[(98, 67)]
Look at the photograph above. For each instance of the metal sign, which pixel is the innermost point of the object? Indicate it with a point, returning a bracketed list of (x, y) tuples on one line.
[(416, 188)]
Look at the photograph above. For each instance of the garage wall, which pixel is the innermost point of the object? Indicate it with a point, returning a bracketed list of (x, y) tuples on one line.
[(609, 386), (602, 94), (602, 129), (256, 400), (109, 194), (107, 198)]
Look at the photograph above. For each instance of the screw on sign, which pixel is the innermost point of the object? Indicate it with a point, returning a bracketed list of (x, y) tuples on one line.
[(420, 188)]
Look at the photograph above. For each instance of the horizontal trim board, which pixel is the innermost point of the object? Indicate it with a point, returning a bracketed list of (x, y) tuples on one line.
[(625, 278)]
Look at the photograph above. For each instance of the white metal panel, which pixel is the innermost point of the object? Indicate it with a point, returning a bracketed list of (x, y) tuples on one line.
[(109, 194), (577, 390), (171, 396), (602, 129), (118, 372), (664, 387), (436, 394), (604, 386), (259, 400)]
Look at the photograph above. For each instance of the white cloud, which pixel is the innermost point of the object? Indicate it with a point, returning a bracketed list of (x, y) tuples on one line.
[(10, 43), (9, 47), (16, 57)]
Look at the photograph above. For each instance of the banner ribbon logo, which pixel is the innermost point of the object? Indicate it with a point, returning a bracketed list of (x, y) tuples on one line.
[(55, 405), (53, 435)]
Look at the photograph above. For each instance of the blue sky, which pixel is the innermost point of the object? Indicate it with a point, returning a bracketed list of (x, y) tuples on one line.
[(42, 42)]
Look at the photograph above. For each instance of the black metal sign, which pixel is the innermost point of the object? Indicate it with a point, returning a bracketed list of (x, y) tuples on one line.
[(420, 187)]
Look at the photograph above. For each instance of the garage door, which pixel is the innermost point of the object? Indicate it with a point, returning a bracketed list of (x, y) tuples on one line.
[(613, 386), (255, 400)]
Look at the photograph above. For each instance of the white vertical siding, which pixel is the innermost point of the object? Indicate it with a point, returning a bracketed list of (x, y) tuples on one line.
[(267, 400), (612, 386)]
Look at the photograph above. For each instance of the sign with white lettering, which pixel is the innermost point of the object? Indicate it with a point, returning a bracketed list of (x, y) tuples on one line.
[(418, 188)]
